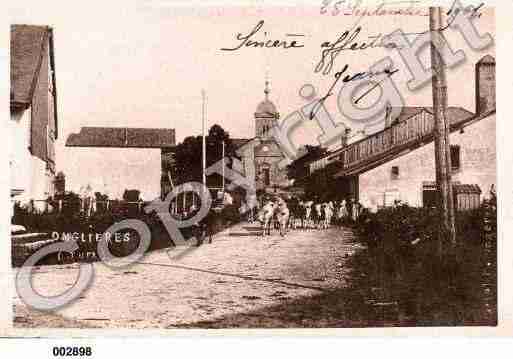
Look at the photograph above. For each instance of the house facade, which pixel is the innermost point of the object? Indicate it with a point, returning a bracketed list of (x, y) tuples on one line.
[(409, 176), (33, 122), (149, 151), (398, 162)]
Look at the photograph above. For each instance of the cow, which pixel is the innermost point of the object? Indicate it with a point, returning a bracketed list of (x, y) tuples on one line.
[(282, 215), (265, 216), (296, 215), (318, 215), (307, 219)]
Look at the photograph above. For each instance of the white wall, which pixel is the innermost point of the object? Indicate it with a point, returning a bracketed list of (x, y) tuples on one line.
[(478, 166), (28, 173), (112, 170), (19, 155)]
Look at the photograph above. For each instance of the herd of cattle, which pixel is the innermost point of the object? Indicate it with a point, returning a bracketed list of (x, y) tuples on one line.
[(279, 214), (284, 215)]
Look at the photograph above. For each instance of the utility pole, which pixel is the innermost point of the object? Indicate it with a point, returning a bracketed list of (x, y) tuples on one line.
[(204, 142), (441, 134), (223, 154)]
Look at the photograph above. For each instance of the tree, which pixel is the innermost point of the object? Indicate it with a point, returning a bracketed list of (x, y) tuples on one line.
[(188, 156), (298, 170), (101, 197), (101, 201), (131, 195), (71, 202)]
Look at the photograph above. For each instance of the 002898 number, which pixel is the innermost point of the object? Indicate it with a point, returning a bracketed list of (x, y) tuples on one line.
[(72, 351)]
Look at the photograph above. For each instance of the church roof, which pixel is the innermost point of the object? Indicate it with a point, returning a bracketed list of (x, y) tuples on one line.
[(488, 59), (266, 108)]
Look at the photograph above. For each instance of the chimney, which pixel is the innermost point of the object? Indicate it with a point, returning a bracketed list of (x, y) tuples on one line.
[(485, 84), (388, 116), (345, 137)]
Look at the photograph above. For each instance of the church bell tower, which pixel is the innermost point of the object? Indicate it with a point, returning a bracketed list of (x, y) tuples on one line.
[(266, 116)]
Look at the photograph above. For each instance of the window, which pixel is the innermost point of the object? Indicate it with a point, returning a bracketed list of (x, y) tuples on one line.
[(395, 172), (390, 197), (429, 195), (455, 158), (267, 176)]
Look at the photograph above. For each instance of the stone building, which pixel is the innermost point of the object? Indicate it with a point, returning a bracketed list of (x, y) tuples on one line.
[(411, 176), (146, 155), (398, 162), (260, 155)]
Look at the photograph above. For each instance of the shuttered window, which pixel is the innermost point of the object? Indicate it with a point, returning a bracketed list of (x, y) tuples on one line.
[(455, 157), (429, 195)]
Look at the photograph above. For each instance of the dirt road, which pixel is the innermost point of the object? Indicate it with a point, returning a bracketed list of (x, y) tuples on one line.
[(239, 276)]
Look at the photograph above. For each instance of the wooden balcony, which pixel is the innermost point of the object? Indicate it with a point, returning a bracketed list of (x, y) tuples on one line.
[(407, 134), (394, 141)]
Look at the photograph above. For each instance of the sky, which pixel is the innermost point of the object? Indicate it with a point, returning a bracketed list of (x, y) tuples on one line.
[(144, 63)]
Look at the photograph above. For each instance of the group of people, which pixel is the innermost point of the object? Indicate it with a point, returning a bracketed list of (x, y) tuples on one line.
[(293, 213)]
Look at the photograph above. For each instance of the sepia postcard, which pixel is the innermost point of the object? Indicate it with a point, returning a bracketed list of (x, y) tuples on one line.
[(323, 165)]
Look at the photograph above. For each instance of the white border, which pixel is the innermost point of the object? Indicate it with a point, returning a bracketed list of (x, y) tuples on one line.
[(504, 54)]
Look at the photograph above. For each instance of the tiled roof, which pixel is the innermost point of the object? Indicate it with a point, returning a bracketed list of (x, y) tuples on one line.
[(27, 43), (454, 114), (266, 108), (122, 137), (457, 186), (466, 188)]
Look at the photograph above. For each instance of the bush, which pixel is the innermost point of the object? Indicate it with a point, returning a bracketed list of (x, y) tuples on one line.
[(71, 203), (99, 222), (401, 225), (402, 265)]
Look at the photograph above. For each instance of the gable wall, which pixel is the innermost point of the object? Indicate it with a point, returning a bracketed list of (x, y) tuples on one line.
[(478, 166)]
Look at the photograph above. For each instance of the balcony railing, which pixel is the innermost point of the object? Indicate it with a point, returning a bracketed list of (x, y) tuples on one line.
[(409, 131)]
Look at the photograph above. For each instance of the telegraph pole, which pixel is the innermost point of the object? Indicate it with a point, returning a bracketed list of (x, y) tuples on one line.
[(204, 142), (223, 174), (441, 134)]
